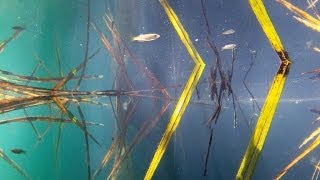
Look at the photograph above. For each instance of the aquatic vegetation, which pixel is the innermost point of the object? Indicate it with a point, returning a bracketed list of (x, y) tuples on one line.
[(18, 96), (185, 95), (146, 90), (304, 17), (312, 23), (119, 148), (268, 110)]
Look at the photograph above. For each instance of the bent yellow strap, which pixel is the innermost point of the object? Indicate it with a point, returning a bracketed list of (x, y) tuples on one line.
[(186, 94), (265, 119)]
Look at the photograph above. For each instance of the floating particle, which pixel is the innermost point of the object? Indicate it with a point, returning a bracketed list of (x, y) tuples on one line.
[(309, 44), (252, 51)]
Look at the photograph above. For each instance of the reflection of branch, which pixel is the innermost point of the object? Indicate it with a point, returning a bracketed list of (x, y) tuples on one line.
[(43, 119), (118, 50), (4, 156), (72, 73), (204, 13), (254, 101), (145, 129), (208, 153), (106, 158), (86, 139), (78, 87), (86, 59)]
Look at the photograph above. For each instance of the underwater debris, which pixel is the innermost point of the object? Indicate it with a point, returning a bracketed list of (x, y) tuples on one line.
[(146, 37)]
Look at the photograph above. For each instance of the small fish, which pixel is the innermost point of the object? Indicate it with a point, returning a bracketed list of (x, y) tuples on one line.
[(18, 151), (316, 49), (230, 31), (314, 110), (228, 47), (146, 37), (125, 105), (18, 28)]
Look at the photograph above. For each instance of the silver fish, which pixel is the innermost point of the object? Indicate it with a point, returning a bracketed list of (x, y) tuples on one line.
[(228, 47), (146, 37), (230, 31)]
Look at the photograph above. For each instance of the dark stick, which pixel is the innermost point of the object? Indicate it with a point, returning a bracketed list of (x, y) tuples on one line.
[(85, 61), (208, 154)]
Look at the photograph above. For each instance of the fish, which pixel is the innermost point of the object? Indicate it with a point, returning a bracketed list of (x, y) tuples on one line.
[(228, 47), (230, 31), (18, 151), (314, 110), (125, 105), (146, 37), (316, 49), (18, 28)]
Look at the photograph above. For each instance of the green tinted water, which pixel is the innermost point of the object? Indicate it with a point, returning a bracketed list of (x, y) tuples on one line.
[(49, 25)]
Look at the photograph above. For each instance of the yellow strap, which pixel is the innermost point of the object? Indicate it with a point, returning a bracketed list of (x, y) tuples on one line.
[(186, 94), (264, 122)]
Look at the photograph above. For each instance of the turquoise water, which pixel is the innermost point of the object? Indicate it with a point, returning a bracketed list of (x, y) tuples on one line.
[(51, 26)]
